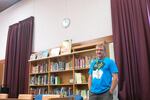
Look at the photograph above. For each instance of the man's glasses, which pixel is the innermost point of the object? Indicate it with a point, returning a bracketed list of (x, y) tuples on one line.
[(99, 49)]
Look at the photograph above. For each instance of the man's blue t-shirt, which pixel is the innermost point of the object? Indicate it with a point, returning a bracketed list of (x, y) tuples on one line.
[(101, 72)]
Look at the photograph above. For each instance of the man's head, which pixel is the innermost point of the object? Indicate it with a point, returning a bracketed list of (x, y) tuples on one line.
[(101, 50)]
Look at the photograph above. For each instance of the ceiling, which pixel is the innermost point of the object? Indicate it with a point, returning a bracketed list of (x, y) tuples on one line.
[(4, 4)]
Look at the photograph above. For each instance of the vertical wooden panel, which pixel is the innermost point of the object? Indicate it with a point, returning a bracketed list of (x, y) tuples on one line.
[(2, 66)]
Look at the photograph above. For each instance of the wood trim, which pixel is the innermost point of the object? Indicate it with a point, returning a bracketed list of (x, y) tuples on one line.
[(94, 41), (90, 44)]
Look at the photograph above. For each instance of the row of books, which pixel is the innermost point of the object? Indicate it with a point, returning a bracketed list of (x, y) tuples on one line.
[(83, 62), (54, 79), (63, 91), (40, 90), (40, 68), (80, 78), (60, 65), (80, 62), (39, 80)]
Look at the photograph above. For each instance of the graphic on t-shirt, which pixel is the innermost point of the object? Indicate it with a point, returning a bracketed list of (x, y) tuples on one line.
[(98, 65), (97, 74)]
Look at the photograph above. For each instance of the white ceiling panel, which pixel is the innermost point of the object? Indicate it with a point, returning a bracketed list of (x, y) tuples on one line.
[(4, 4)]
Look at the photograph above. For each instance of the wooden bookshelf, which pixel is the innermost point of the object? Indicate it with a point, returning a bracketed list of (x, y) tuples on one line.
[(67, 72)]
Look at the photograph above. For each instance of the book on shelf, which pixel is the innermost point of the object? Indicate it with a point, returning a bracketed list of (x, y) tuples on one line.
[(57, 80), (55, 52), (61, 65), (32, 80), (83, 92), (83, 78), (68, 65), (45, 53), (33, 56), (39, 55), (78, 79), (66, 47), (52, 79)]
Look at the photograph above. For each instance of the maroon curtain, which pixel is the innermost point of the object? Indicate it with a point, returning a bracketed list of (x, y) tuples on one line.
[(18, 50), (131, 34), (10, 69), (24, 49)]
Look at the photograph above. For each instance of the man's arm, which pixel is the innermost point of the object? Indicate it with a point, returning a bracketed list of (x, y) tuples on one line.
[(114, 82), (89, 81)]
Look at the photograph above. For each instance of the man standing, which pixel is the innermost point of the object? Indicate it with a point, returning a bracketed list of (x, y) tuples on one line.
[(103, 75)]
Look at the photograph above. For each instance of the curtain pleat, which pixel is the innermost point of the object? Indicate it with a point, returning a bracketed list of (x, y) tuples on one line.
[(131, 33), (18, 50)]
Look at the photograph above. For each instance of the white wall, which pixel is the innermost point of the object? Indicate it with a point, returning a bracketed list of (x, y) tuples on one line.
[(90, 19)]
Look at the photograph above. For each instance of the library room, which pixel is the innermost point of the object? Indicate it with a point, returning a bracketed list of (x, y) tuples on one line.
[(74, 49)]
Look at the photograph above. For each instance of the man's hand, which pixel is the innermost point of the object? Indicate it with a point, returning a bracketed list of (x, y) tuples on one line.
[(114, 82), (110, 91)]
